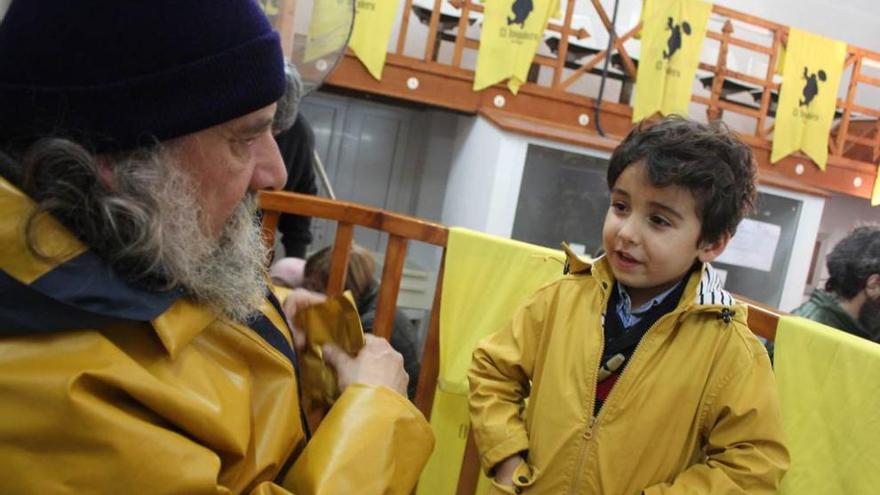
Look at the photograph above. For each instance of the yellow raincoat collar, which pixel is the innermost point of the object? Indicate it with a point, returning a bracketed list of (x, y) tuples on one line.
[(74, 288), (704, 283)]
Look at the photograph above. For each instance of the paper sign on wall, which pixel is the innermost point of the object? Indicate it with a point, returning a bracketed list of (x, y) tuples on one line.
[(753, 246)]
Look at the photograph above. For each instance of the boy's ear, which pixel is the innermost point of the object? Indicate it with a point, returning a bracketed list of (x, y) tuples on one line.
[(708, 251)]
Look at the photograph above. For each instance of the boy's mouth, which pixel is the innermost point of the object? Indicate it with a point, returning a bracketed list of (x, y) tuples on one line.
[(624, 260)]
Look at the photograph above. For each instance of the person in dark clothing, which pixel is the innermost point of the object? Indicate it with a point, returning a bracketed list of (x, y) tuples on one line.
[(297, 146), (363, 286), (851, 299)]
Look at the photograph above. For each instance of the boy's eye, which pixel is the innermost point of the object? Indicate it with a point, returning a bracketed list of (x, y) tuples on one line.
[(618, 206), (660, 221)]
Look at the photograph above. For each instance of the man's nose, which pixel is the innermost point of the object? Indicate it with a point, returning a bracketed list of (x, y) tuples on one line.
[(270, 171)]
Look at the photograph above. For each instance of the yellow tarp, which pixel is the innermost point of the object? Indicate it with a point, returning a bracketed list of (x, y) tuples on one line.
[(672, 38), (486, 278), (829, 387), (373, 21), (808, 98), (512, 31)]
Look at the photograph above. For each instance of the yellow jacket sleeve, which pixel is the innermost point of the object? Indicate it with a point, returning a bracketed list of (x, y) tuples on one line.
[(744, 450), (499, 378), (373, 440)]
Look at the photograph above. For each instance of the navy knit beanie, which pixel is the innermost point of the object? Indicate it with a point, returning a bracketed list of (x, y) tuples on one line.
[(115, 75)]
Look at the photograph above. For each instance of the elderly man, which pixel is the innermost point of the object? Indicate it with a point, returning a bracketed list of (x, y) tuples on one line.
[(140, 351), (851, 299)]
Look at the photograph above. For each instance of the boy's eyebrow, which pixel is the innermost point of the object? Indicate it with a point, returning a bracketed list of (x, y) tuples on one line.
[(672, 211), (617, 190)]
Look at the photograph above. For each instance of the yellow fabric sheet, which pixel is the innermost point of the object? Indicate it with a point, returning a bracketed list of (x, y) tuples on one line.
[(829, 387), (486, 278), (808, 98)]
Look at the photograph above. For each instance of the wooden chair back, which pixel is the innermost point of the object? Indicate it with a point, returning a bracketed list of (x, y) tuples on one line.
[(401, 229)]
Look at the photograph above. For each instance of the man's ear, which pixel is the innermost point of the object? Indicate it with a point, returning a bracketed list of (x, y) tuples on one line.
[(708, 251), (105, 171), (872, 287)]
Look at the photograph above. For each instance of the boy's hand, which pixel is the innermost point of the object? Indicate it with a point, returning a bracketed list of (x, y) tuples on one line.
[(376, 364), (504, 470)]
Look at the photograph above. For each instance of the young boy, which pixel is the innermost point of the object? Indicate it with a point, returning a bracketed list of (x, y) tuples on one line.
[(641, 372)]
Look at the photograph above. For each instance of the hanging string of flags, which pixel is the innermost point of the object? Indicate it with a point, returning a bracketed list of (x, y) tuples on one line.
[(672, 38)]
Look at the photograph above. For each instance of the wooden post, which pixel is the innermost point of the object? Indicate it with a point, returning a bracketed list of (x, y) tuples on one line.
[(432, 45), (461, 33), (562, 51), (768, 85), (339, 261), (431, 352), (469, 474), (843, 130), (404, 27), (392, 273), (714, 111)]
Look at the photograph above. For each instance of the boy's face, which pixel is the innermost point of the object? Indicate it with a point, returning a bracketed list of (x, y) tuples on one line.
[(651, 234)]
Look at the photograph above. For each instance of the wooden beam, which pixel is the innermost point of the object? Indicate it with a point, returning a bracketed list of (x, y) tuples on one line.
[(340, 256), (389, 286)]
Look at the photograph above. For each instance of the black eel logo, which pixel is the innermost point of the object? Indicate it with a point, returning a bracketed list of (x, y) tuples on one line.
[(811, 87), (674, 41), (521, 10)]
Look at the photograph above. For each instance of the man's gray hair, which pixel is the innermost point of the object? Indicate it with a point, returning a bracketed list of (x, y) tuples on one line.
[(147, 222)]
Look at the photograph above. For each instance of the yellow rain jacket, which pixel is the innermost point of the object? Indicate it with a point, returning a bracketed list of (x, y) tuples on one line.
[(695, 410), (105, 388)]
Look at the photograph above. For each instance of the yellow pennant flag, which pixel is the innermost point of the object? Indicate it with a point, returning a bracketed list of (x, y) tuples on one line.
[(672, 38), (808, 98), (373, 21), (512, 30)]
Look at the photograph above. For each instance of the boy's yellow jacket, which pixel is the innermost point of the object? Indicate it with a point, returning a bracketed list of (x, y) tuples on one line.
[(105, 388), (695, 411)]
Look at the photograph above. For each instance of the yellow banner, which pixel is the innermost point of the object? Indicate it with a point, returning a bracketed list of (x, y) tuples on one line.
[(486, 278), (808, 98), (512, 30), (672, 38), (373, 21)]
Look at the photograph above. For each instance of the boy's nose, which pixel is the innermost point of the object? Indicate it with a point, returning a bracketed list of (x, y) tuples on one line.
[(628, 232)]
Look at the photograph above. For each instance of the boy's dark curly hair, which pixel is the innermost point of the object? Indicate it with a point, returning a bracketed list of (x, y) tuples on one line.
[(709, 160), (852, 261)]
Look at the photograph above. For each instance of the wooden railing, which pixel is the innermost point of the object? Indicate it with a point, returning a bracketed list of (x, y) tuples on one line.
[(401, 229), (561, 104)]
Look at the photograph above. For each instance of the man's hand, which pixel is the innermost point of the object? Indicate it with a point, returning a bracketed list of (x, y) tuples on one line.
[(376, 364), (297, 300), (504, 470)]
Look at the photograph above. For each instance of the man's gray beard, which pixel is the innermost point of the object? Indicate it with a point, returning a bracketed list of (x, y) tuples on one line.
[(227, 274)]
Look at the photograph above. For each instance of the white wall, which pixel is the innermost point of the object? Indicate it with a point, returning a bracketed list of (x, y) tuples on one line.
[(484, 179)]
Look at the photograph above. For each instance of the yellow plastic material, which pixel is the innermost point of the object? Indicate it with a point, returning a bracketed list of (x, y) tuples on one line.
[(335, 321)]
